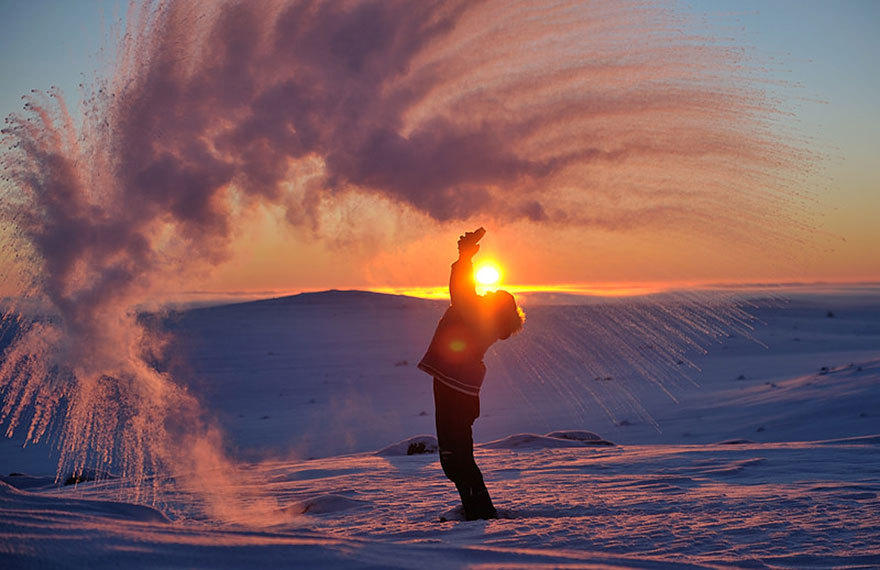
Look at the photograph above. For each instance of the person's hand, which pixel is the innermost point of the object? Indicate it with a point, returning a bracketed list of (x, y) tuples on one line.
[(467, 244)]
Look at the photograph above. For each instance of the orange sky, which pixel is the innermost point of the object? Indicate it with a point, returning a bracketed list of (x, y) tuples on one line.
[(272, 258)]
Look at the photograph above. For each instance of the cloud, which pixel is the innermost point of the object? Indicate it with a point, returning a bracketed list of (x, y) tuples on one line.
[(509, 98)]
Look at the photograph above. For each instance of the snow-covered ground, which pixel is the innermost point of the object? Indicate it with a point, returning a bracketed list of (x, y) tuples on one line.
[(771, 458)]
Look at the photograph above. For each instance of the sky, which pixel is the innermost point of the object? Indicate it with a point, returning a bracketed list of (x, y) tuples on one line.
[(823, 54)]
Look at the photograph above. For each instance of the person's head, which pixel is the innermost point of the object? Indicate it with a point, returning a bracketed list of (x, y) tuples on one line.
[(507, 318)]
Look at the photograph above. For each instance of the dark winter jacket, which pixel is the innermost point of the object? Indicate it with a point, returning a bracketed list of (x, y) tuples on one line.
[(464, 333)]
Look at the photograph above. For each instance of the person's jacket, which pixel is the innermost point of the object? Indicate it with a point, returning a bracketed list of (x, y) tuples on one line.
[(464, 333)]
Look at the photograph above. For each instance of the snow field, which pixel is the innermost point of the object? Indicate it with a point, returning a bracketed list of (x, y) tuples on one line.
[(770, 459)]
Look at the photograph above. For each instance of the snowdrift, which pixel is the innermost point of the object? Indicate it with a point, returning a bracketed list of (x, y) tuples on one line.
[(552, 439), (24, 503), (323, 504)]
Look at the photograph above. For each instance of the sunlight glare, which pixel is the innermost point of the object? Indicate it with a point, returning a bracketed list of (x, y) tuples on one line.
[(488, 274)]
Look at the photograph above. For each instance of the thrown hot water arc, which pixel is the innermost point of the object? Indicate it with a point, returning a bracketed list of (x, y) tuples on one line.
[(566, 114)]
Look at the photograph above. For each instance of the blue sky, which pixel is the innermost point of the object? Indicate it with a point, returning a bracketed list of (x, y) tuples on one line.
[(51, 42), (831, 51)]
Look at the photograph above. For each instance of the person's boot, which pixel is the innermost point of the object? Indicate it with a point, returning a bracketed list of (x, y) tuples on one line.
[(477, 504)]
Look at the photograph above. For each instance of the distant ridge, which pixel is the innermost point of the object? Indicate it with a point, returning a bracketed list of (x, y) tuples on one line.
[(341, 297)]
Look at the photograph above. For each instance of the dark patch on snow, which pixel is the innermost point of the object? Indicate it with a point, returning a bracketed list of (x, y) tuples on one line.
[(417, 445), (88, 475), (735, 442), (418, 448)]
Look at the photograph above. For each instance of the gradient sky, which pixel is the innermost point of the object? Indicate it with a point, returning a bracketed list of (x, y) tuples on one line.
[(830, 51)]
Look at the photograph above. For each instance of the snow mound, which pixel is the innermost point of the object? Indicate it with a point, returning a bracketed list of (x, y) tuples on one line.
[(580, 435), (327, 504), (453, 514), (25, 481), (457, 514), (415, 445), (533, 441), (24, 502)]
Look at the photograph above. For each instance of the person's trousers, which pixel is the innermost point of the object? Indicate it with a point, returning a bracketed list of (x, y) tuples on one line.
[(455, 413)]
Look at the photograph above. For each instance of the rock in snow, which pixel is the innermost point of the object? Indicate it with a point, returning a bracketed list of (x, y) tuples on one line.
[(415, 445)]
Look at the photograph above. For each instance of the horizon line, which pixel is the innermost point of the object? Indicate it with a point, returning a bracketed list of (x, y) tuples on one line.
[(606, 289)]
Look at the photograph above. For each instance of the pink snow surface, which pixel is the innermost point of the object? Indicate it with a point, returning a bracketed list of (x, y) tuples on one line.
[(772, 460)]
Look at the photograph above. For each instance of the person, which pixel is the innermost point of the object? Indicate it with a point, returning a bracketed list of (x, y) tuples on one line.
[(470, 325)]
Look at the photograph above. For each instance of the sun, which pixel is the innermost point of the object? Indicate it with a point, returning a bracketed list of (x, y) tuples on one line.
[(488, 274)]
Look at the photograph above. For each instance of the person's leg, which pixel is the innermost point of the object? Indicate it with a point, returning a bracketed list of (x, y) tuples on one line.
[(454, 414), (472, 488)]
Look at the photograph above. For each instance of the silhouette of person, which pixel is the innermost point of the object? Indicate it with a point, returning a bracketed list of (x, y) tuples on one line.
[(470, 325)]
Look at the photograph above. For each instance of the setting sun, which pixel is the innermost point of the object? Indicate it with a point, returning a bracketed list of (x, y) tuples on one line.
[(488, 274)]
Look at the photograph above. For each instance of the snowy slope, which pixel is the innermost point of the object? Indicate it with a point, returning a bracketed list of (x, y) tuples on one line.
[(761, 462), (783, 505), (323, 374)]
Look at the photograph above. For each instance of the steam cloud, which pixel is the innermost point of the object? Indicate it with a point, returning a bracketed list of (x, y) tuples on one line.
[(572, 113)]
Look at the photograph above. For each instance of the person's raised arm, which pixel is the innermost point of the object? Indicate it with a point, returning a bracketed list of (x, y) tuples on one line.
[(462, 288)]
